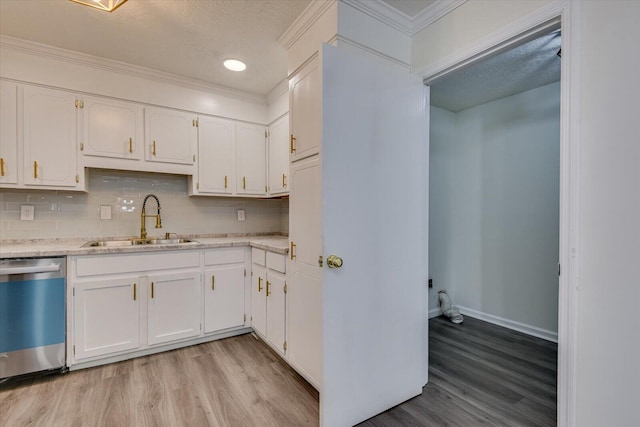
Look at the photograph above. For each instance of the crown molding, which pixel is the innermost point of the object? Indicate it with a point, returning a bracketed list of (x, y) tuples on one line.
[(73, 57), (279, 90), (307, 18), (400, 21)]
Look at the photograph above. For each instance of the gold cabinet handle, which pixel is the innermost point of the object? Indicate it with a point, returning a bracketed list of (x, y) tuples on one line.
[(152, 289), (154, 148), (225, 182), (291, 254), (35, 169), (213, 283), (268, 288), (259, 284), (334, 261), (244, 182), (284, 180), (131, 145), (134, 291), (292, 139), (1, 166)]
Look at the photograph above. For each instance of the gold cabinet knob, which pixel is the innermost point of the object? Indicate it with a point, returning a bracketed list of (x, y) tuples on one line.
[(334, 261)]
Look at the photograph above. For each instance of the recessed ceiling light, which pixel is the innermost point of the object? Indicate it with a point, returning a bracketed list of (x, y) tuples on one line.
[(235, 65), (106, 5)]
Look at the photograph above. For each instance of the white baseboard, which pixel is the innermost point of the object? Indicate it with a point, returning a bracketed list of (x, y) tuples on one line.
[(510, 324)]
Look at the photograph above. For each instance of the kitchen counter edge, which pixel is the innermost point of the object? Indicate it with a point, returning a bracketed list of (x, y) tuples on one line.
[(277, 244)]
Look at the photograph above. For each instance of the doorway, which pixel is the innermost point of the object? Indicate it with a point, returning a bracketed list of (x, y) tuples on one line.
[(494, 187)]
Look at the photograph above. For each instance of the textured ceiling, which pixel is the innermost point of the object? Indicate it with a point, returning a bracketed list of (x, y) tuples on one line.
[(522, 68), (189, 38)]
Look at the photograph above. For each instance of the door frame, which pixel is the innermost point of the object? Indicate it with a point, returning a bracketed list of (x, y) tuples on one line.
[(565, 16)]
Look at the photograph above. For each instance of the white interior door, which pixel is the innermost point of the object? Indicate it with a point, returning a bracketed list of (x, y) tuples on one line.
[(374, 162)]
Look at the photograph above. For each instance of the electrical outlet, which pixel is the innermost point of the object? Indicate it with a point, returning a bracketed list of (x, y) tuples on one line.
[(430, 283), (105, 211), (241, 215), (27, 212)]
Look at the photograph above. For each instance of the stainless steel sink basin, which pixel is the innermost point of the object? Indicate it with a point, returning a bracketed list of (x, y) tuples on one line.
[(135, 242), (167, 241)]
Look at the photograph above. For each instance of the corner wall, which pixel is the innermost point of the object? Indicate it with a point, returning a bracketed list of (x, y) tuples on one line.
[(494, 204)]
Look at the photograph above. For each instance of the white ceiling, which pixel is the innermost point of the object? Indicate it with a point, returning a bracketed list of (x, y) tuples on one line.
[(189, 38), (528, 66)]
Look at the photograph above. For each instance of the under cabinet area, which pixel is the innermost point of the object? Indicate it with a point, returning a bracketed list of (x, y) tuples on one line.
[(225, 275), (126, 305), (268, 298)]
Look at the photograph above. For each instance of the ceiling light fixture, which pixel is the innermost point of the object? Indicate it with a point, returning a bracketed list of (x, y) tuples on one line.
[(234, 65), (106, 5)]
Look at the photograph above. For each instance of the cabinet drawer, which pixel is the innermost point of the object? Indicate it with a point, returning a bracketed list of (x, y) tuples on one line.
[(224, 256), (258, 256), (110, 264), (276, 262)]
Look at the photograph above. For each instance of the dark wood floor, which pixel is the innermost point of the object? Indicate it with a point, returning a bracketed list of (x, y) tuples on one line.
[(479, 375)]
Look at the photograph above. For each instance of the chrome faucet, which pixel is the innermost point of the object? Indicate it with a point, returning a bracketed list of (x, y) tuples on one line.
[(143, 216)]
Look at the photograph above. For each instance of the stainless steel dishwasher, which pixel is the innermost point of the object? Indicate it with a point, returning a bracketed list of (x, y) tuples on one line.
[(32, 315)]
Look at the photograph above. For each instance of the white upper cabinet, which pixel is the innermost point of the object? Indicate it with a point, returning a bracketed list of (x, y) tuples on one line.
[(278, 160), (171, 136), (50, 138), (112, 129), (251, 160), (216, 156), (8, 133), (305, 103)]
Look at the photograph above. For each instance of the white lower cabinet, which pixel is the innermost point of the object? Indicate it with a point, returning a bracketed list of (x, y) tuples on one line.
[(224, 289), (173, 307), (107, 317), (124, 305), (268, 298)]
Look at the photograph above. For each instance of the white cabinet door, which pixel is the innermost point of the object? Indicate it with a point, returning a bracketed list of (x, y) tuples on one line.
[(374, 207), (112, 129), (304, 275), (305, 111), (50, 138), (171, 136), (173, 306), (258, 303), (275, 293), (8, 133), (216, 156), (223, 297), (278, 164), (251, 159), (106, 316)]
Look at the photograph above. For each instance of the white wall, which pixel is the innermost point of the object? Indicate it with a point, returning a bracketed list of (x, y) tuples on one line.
[(608, 249), (494, 198), (442, 261), (60, 214)]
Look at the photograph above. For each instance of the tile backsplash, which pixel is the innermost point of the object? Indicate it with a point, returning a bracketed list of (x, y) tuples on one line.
[(66, 214)]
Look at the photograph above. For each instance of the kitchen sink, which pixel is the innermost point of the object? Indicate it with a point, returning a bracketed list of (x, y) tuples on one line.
[(135, 242)]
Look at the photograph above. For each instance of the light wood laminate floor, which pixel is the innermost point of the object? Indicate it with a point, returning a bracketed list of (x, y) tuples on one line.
[(479, 375), (236, 381)]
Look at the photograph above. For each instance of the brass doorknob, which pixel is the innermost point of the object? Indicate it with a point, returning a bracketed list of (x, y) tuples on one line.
[(334, 261)]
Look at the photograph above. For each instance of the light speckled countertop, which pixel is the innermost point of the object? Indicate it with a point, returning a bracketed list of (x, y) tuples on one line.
[(67, 247)]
